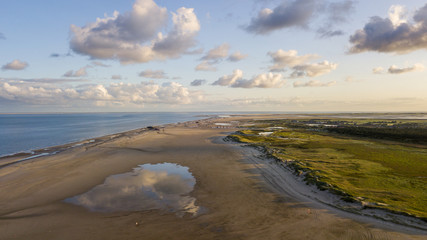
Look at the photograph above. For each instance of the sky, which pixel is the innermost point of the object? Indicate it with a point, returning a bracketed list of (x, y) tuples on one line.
[(192, 55)]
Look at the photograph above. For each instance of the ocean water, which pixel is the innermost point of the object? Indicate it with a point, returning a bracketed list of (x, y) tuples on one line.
[(25, 132)]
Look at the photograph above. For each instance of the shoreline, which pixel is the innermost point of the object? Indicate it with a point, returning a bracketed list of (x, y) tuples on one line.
[(88, 142), (78, 127), (230, 185), (52, 150), (204, 117)]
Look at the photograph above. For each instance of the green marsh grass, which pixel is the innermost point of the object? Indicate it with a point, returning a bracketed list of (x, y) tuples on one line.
[(391, 176)]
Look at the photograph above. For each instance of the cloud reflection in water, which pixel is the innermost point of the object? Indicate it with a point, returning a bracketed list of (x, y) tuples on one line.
[(162, 186)]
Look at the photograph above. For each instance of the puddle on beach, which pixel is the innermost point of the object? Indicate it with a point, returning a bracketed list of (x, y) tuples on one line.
[(164, 186)]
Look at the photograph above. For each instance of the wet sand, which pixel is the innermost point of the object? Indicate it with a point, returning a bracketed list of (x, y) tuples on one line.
[(239, 201)]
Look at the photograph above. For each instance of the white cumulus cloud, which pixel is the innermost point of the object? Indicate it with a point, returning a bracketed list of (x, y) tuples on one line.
[(265, 80), (287, 14), (212, 57), (228, 80), (205, 66), (217, 53), (393, 34), (283, 59), (394, 69), (313, 69), (378, 70), (157, 74), (198, 82), (303, 13), (301, 66), (237, 56), (79, 73), (136, 36), (15, 65), (399, 70), (397, 15)]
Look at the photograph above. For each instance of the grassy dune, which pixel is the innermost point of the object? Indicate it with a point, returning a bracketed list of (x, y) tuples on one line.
[(377, 174)]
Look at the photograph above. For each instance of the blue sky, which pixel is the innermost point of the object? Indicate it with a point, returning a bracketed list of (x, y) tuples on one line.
[(240, 55)]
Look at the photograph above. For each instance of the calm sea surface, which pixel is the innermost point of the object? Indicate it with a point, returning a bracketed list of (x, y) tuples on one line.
[(24, 132)]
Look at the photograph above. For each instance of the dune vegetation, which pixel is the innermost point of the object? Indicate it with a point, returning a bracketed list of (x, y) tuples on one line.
[(377, 172)]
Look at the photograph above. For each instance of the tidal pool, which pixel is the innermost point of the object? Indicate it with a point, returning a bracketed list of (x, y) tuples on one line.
[(164, 186)]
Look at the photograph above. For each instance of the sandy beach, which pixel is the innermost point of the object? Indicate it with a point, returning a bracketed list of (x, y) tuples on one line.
[(239, 193)]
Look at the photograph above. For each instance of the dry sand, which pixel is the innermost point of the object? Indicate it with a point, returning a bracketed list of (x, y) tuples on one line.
[(240, 203)]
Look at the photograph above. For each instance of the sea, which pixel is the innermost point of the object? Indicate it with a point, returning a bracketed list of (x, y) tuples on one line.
[(26, 132)]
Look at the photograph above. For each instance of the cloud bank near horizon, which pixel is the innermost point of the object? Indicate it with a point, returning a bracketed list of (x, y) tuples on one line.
[(114, 94)]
